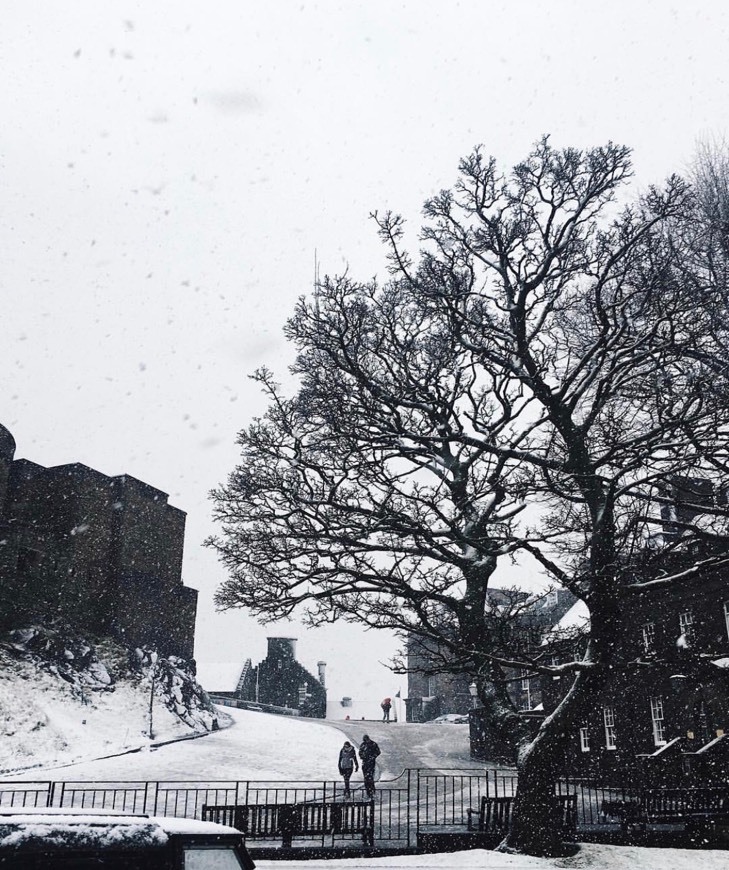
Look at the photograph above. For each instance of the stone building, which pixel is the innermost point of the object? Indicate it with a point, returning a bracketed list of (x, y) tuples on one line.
[(670, 719), (434, 691), (280, 681), (102, 553)]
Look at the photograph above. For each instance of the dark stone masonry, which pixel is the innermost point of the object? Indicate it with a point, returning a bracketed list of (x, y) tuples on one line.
[(102, 553)]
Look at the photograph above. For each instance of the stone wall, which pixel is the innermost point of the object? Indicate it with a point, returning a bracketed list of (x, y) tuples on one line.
[(103, 553)]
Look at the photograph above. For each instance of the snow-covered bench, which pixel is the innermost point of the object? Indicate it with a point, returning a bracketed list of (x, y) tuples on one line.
[(287, 821)]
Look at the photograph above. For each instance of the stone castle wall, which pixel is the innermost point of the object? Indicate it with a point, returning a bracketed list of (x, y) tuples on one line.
[(104, 553)]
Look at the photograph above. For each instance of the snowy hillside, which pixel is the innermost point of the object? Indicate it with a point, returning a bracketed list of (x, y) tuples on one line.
[(258, 746), (64, 697)]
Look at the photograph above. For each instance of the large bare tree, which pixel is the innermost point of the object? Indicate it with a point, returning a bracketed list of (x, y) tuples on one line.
[(539, 352)]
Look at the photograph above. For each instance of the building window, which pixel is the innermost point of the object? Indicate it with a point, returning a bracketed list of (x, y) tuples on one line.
[(432, 687), (686, 626), (526, 692), (659, 729), (608, 717), (649, 637), (585, 739), (726, 617)]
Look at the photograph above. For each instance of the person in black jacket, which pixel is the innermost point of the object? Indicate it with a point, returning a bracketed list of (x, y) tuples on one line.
[(347, 764), (368, 752)]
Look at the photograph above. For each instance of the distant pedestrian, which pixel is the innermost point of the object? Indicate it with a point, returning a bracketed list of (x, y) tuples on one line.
[(368, 752), (386, 705), (347, 764)]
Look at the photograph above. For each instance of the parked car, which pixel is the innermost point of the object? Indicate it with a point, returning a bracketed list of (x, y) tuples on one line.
[(450, 719), (71, 839)]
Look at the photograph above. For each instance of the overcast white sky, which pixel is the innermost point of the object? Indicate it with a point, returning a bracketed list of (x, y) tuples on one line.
[(168, 169)]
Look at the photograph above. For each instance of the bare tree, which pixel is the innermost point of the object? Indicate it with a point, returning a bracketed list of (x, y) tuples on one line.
[(367, 496), (540, 350)]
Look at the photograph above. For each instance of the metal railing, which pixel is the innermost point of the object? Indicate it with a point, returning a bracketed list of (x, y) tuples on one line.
[(417, 800)]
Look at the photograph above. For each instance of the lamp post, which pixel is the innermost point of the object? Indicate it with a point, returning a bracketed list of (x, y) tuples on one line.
[(473, 691), (153, 672)]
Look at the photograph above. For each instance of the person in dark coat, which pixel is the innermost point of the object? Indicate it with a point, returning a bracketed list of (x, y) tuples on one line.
[(386, 705), (368, 752), (347, 764)]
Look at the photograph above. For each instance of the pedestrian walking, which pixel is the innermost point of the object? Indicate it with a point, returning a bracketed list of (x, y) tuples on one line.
[(347, 764), (368, 752), (386, 705)]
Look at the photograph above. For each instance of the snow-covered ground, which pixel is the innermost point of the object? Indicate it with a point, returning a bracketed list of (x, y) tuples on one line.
[(590, 857), (257, 746), (56, 712), (262, 746)]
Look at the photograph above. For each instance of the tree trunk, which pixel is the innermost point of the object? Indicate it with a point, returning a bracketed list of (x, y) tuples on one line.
[(535, 818), (536, 814)]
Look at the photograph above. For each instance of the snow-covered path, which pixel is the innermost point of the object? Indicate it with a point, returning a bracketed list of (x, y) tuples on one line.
[(262, 746), (257, 746)]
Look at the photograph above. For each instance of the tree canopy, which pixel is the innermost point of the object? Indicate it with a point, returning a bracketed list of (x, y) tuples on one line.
[(536, 381)]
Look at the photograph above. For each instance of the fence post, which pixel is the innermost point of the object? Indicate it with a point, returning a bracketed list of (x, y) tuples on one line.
[(51, 794), (407, 812)]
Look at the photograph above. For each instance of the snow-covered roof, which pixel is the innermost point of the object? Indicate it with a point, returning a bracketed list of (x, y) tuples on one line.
[(79, 832), (95, 829), (576, 620)]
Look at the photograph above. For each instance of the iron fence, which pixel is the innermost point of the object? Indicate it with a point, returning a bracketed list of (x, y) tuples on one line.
[(26, 794), (417, 800)]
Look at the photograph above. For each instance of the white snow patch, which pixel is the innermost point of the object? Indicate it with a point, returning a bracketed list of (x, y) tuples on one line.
[(576, 620), (721, 663), (260, 746), (590, 857)]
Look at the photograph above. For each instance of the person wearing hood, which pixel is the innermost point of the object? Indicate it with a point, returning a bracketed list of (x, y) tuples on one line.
[(347, 764), (368, 752)]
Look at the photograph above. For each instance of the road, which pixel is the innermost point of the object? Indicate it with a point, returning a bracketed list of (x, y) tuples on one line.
[(414, 745)]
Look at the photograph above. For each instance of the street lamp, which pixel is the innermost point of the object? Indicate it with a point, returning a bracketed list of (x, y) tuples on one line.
[(153, 669), (473, 691)]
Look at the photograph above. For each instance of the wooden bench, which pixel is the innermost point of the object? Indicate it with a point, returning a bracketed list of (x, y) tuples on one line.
[(494, 815), (688, 806), (271, 821), (708, 804)]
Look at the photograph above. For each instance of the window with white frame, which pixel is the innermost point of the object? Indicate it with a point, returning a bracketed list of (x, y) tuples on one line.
[(432, 686), (608, 718), (584, 739), (686, 626), (726, 617), (659, 726), (649, 637), (526, 688)]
